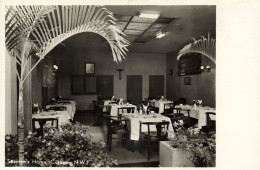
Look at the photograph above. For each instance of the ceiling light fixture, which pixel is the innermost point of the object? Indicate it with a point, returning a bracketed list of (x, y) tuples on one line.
[(160, 34), (148, 15)]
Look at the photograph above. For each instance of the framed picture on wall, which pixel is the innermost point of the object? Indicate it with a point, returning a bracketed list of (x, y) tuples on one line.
[(89, 68), (187, 80)]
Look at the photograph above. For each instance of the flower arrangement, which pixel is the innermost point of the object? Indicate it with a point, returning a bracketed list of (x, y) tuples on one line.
[(197, 102), (200, 147), (71, 146)]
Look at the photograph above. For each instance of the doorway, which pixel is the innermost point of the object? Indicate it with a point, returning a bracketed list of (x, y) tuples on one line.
[(134, 89), (156, 86)]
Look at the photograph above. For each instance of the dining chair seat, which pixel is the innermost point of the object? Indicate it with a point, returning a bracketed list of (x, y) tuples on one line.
[(119, 129), (116, 125), (153, 136), (147, 138)]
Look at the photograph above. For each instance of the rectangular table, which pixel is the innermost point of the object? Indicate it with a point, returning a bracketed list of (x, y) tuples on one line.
[(70, 107), (62, 115), (198, 113), (160, 104), (134, 124)]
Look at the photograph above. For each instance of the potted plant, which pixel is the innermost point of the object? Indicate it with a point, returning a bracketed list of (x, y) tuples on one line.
[(72, 145), (189, 147)]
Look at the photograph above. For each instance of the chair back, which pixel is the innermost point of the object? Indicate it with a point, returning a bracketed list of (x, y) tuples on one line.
[(210, 122), (57, 108), (64, 102), (151, 103), (168, 108), (182, 101), (108, 109), (42, 122), (125, 110), (161, 129), (111, 121)]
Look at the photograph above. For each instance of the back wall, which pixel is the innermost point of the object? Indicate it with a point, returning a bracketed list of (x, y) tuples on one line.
[(88, 47)]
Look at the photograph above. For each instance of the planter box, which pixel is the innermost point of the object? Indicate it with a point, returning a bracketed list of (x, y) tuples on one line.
[(173, 157)]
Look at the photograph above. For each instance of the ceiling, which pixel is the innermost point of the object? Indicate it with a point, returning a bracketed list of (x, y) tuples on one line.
[(140, 30), (181, 23)]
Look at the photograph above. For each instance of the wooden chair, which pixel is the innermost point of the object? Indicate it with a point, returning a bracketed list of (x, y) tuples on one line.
[(170, 108), (120, 129), (98, 114), (123, 109), (108, 109), (211, 124), (151, 103), (147, 138), (42, 122), (151, 107), (186, 119)]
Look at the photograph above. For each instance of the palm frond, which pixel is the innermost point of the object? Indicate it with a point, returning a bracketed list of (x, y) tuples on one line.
[(205, 46), (44, 27), (66, 21)]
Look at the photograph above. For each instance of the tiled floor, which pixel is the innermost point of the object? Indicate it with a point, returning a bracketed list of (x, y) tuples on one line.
[(122, 154)]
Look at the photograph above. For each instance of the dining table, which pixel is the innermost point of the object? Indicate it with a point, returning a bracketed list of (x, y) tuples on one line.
[(160, 104), (198, 112), (134, 124), (70, 107), (61, 115)]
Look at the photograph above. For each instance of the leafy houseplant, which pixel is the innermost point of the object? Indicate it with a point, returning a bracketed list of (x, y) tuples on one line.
[(72, 145), (200, 147)]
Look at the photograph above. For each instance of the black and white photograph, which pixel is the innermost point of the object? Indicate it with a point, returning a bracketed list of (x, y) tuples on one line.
[(125, 84)]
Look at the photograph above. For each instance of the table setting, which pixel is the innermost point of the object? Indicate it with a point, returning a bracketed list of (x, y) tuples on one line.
[(70, 107)]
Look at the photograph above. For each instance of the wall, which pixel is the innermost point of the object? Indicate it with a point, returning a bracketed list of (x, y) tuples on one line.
[(152, 64), (203, 86), (10, 96), (92, 49)]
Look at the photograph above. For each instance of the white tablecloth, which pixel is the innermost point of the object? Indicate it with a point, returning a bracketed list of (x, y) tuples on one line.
[(160, 104), (70, 107), (198, 113), (134, 124), (114, 108), (62, 115)]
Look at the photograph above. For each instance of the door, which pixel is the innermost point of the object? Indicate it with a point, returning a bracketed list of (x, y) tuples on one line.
[(105, 86), (134, 89), (156, 86)]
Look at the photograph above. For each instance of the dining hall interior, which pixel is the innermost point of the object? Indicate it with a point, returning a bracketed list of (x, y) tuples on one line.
[(133, 86)]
